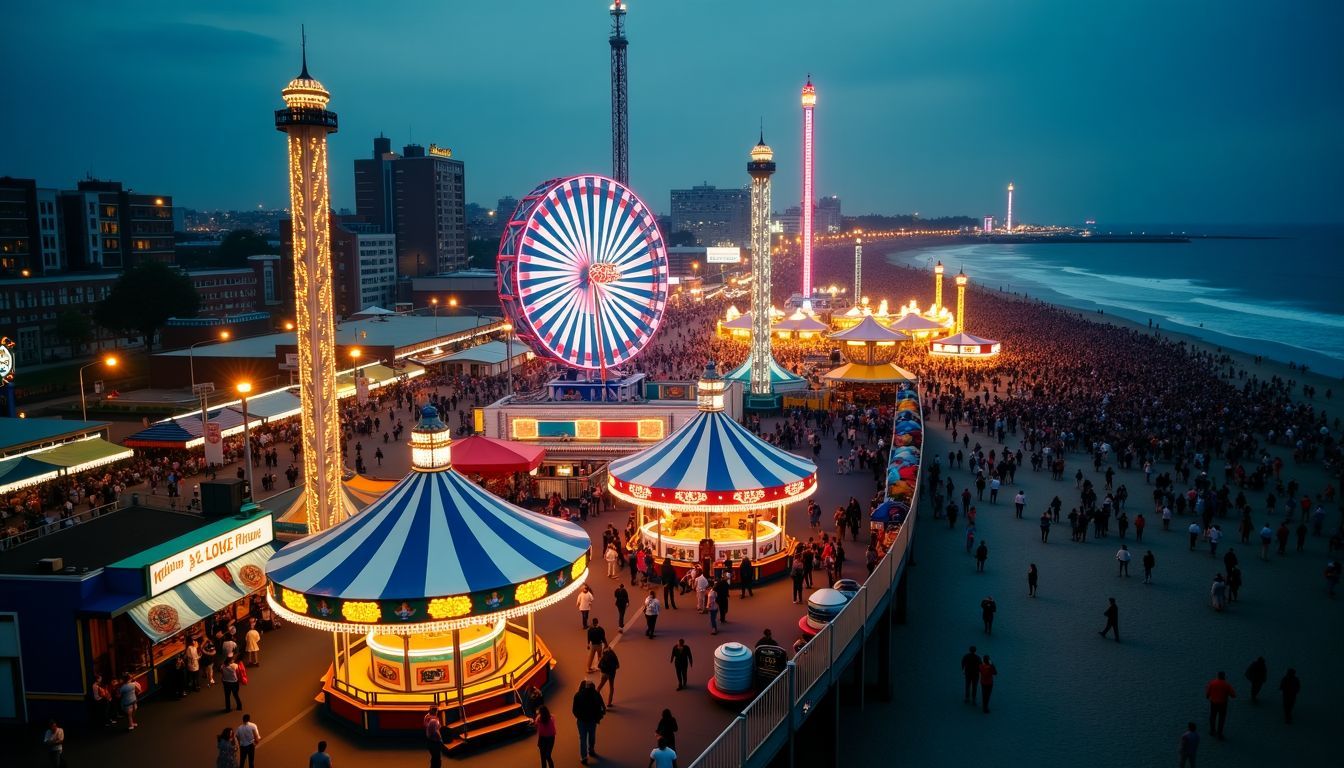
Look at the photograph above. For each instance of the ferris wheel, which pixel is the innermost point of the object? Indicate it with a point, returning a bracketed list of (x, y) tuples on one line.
[(583, 272)]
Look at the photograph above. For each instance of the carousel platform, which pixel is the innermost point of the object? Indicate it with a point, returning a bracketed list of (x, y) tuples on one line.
[(488, 708)]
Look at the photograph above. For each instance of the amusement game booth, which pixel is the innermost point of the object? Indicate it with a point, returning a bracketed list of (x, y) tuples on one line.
[(713, 491)]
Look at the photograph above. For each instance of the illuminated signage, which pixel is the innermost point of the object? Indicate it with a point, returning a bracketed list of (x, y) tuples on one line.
[(6, 361), (437, 151), (723, 255), (208, 555)]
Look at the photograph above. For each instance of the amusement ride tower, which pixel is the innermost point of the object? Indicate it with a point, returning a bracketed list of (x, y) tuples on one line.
[(858, 270), (1008, 224), (809, 201), (937, 286), (307, 121), (961, 301), (760, 168), (620, 107)]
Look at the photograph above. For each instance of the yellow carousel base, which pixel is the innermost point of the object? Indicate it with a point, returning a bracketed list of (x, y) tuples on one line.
[(486, 708)]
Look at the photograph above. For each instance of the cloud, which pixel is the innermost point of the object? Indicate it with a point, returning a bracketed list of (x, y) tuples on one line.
[(185, 42)]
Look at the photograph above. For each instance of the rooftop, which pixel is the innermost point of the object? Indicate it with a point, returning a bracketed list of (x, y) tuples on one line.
[(398, 332), (102, 541), (19, 434)]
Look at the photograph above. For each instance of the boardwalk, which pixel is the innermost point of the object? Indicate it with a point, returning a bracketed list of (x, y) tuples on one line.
[(1065, 696)]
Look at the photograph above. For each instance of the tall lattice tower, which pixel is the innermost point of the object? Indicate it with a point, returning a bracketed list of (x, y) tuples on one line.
[(760, 168), (938, 286), (858, 270), (620, 104), (809, 195), (307, 121)]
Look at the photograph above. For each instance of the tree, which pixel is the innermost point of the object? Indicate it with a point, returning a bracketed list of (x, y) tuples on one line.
[(238, 245), (73, 327), (144, 297)]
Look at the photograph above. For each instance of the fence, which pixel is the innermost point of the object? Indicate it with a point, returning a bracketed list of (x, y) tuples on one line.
[(35, 533)]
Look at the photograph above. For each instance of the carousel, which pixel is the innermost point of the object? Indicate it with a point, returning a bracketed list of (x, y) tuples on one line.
[(868, 349), (429, 595), (713, 491)]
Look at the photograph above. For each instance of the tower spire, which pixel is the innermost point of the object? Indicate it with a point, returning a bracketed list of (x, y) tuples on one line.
[(303, 44)]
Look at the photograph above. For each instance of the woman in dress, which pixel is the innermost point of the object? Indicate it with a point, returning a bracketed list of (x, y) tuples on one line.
[(227, 749), (545, 735)]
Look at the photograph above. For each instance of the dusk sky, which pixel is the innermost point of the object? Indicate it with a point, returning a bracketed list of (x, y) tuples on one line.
[(1198, 112)]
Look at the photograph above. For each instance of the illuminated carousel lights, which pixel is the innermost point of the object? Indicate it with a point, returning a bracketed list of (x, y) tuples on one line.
[(763, 506), (427, 627)]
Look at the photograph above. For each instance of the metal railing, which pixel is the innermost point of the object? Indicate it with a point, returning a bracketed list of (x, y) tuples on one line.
[(813, 667), (37, 532)]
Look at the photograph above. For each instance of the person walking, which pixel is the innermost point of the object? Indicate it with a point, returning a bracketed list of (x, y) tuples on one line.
[(1266, 537), (1188, 745), (663, 756), (622, 598), (970, 673), (1123, 556), (1289, 686), (1112, 614), (1218, 593), (1149, 560), (597, 639), (545, 725), (682, 660), (128, 695), (987, 609), (433, 726), (193, 654), (667, 729), (1019, 502), (1045, 526), (226, 749), (1194, 530), (981, 555), (651, 611), (712, 607), (249, 736), (987, 673), (252, 644), (230, 676), (1139, 524), (701, 590), (725, 591), (1257, 673), (611, 557), (669, 578), (588, 710), (796, 575), (607, 665), (54, 740), (1032, 576), (1219, 692), (584, 602), (320, 758), (744, 578)]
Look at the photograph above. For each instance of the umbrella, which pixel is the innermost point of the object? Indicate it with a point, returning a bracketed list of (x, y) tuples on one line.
[(487, 456)]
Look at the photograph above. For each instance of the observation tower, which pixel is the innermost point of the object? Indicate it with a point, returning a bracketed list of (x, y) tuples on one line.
[(809, 198), (307, 121), (620, 107), (760, 167)]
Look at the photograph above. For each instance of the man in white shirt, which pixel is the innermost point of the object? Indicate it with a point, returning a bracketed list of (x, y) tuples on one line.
[(249, 736), (662, 757), (701, 588), (54, 738), (230, 648), (252, 641), (1123, 556), (194, 664)]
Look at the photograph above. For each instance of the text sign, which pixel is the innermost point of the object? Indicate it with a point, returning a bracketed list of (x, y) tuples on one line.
[(206, 556), (723, 255), (771, 660)]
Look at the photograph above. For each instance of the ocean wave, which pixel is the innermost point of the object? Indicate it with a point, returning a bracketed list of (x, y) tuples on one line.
[(1167, 284), (1275, 312)]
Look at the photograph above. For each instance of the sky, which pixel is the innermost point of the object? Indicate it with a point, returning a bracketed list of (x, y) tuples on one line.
[(1137, 111)]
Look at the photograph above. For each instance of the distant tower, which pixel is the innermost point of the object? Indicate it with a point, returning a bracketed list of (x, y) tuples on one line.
[(306, 121), (937, 286), (760, 168), (809, 198), (1008, 223), (620, 106), (858, 270), (961, 301)]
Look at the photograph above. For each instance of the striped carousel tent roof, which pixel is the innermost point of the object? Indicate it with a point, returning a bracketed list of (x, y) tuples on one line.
[(781, 378), (712, 460), (434, 547)]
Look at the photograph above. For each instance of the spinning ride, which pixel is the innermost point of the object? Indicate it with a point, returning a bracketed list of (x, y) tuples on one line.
[(712, 490), (429, 594), (583, 272)]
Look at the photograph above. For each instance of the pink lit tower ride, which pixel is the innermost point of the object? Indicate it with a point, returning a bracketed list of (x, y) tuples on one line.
[(809, 197)]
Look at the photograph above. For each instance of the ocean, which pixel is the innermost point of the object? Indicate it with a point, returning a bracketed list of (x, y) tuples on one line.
[(1270, 291)]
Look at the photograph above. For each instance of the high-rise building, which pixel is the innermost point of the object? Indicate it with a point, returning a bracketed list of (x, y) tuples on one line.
[(504, 208), (107, 227), (419, 196), (20, 234), (714, 216), (809, 100), (306, 121), (828, 216)]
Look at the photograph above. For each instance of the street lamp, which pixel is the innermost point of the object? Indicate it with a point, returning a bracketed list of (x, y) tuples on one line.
[(434, 302), (244, 387), (191, 360), (110, 362), (289, 326)]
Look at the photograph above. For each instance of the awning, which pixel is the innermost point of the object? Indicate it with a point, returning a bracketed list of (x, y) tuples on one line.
[(24, 471), (479, 455), (162, 616), (272, 405)]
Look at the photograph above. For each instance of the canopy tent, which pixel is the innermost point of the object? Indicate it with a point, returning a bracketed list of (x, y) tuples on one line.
[(965, 345), (854, 373), (781, 379), (24, 471), (19, 436), (479, 455), (84, 454), (799, 323), (186, 431), (915, 324), (739, 326), (868, 330), (164, 615), (372, 312), (378, 375)]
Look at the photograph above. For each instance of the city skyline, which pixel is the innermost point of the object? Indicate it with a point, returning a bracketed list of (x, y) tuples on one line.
[(1118, 114)]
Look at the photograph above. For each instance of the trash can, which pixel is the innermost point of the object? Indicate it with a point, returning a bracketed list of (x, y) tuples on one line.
[(135, 499)]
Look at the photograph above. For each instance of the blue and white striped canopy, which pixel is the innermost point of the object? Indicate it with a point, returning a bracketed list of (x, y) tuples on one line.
[(712, 460), (432, 535)]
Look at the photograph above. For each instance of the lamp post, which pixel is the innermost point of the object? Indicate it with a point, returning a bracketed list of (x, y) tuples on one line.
[(191, 360), (244, 387), (434, 302), (110, 362)]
